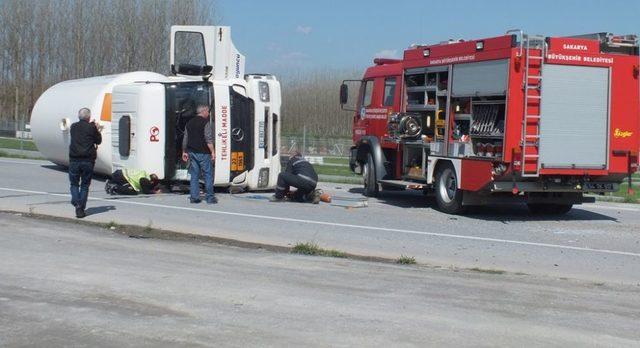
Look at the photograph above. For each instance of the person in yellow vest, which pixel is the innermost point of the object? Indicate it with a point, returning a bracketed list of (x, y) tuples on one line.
[(132, 182)]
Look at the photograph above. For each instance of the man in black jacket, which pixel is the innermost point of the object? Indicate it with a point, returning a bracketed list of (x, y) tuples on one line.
[(85, 139), (198, 149), (301, 175)]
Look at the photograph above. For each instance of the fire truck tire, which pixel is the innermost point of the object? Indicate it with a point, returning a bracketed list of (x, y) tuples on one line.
[(448, 195), (549, 209), (371, 187)]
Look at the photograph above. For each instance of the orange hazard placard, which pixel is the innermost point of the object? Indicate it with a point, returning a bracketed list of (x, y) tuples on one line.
[(237, 161)]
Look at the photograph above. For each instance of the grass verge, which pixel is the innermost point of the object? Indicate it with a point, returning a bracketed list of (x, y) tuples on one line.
[(336, 160), (333, 170), (314, 250), (10, 143), (627, 198), (406, 260)]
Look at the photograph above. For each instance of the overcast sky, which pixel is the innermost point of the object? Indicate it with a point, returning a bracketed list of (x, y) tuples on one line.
[(278, 36)]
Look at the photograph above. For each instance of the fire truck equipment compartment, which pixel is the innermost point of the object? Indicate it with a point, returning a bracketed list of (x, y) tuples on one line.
[(480, 79)]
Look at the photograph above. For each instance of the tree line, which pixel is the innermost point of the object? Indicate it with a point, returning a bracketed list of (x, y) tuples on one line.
[(44, 42), (310, 101)]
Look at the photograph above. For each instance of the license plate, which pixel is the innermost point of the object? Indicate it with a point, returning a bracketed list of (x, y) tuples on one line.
[(261, 143)]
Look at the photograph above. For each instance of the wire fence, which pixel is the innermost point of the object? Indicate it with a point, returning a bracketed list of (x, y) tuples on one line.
[(309, 146), (13, 129), (331, 147)]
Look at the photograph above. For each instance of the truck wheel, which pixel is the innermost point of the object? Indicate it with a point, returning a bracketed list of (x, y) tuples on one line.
[(549, 209), (448, 195), (369, 177)]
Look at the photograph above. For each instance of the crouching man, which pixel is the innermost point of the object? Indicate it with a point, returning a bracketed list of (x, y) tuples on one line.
[(300, 175), (131, 182)]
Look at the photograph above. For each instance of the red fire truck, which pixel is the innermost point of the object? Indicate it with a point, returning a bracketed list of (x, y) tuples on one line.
[(539, 120)]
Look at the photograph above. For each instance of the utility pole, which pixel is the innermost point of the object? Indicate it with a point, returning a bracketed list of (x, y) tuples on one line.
[(304, 140), (15, 113)]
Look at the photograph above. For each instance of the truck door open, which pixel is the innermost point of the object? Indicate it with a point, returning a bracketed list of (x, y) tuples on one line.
[(205, 51)]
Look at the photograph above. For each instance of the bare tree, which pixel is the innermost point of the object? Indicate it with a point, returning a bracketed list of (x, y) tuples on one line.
[(47, 41), (310, 99)]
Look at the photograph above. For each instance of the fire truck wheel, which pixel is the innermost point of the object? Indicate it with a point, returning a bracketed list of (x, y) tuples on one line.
[(448, 195), (549, 209), (371, 188)]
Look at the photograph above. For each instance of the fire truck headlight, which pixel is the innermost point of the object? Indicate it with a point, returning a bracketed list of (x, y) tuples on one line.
[(263, 88)]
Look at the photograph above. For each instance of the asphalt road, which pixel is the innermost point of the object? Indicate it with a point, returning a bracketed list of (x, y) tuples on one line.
[(64, 284), (596, 243)]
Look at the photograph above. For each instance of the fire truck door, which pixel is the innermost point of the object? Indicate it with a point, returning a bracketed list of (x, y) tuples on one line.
[(360, 122)]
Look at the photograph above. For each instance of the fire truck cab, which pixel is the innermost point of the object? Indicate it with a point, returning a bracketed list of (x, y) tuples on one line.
[(514, 118)]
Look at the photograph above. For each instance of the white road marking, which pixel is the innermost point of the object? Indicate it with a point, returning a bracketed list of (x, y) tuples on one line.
[(24, 162), (606, 207), (335, 224)]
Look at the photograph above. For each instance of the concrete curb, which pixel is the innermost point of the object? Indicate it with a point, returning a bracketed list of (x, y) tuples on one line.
[(21, 153), (142, 232)]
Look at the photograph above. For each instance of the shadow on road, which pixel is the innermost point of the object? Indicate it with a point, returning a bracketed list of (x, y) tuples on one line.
[(502, 213), (99, 210)]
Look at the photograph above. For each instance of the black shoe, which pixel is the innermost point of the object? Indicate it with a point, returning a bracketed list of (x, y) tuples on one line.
[(212, 200), (276, 199), (80, 213), (195, 201)]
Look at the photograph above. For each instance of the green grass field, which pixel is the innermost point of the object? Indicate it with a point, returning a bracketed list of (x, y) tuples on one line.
[(10, 143), (337, 160), (634, 198), (333, 170)]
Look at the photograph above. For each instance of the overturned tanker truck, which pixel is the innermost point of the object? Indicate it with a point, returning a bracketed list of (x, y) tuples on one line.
[(142, 115), (514, 118)]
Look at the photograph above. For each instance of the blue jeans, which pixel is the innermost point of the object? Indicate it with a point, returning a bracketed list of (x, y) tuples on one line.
[(80, 173), (200, 162)]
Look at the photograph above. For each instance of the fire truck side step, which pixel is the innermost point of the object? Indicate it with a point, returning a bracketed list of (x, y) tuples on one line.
[(401, 184)]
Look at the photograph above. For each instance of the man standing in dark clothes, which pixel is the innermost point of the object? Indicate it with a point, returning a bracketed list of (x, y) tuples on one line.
[(301, 175), (85, 138), (197, 148)]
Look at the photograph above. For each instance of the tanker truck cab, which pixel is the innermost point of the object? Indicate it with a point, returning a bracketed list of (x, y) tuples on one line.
[(149, 118)]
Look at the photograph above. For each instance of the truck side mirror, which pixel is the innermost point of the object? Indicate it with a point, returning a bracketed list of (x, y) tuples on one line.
[(344, 94)]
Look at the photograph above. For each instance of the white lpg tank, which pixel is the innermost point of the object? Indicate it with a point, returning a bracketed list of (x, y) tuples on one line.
[(57, 108)]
